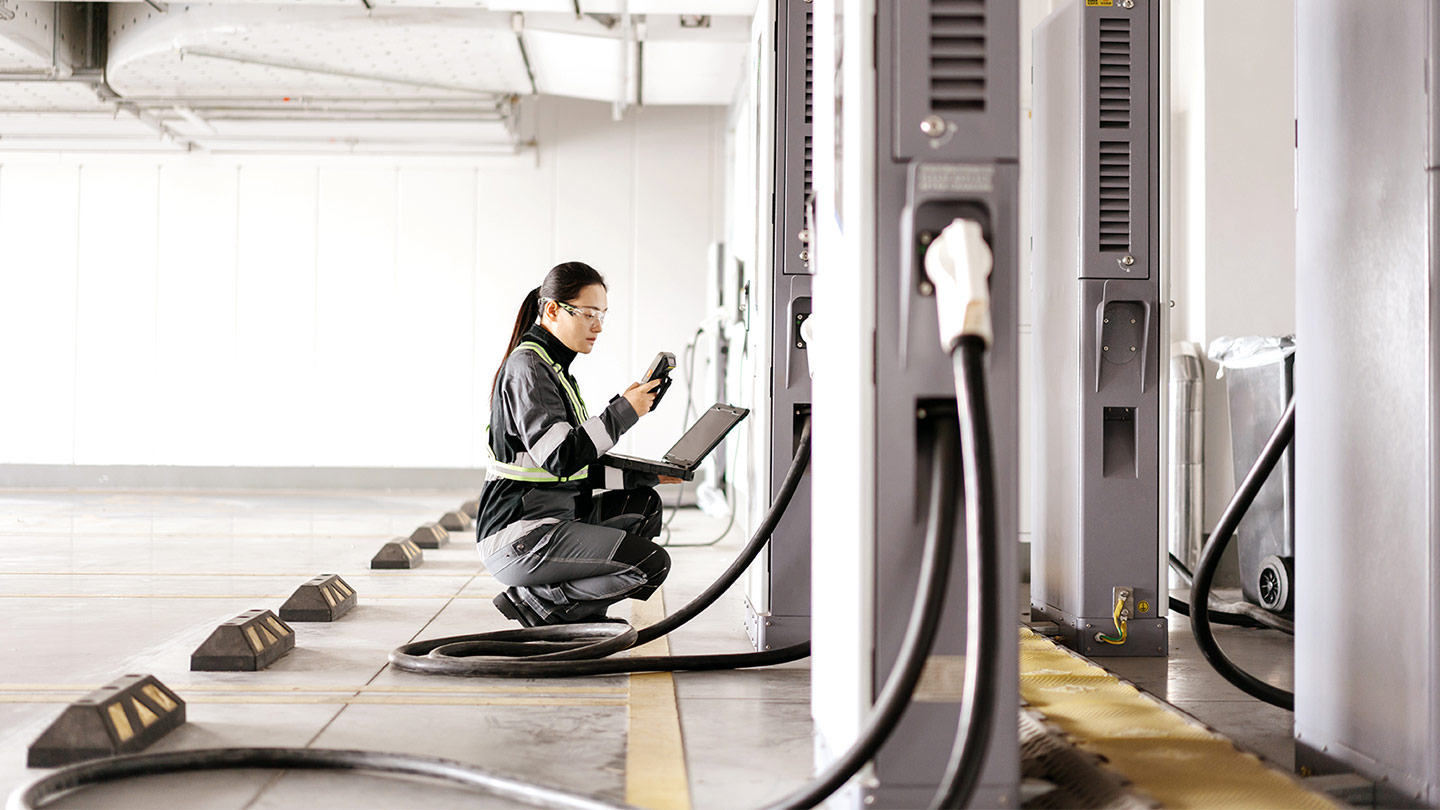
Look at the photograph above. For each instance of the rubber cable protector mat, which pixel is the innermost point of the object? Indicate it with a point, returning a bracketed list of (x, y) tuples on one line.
[(1163, 754)]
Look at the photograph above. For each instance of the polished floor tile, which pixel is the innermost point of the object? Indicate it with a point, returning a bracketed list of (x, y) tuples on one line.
[(106, 584), (94, 585)]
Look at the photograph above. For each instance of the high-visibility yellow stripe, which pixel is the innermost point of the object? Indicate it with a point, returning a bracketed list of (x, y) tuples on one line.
[(120, 721), (161, 699), (536, 475), (147, 717), (574, 395)]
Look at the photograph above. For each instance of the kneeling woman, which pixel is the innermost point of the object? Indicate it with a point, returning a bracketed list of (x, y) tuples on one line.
[(566, 549)]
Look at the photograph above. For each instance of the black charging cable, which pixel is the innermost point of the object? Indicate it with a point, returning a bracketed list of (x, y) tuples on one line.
[(983, 610), (561, 651), (925, 616), (1239, 504)]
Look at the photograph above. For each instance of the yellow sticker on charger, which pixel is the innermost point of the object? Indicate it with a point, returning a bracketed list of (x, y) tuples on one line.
[(1100, 2)]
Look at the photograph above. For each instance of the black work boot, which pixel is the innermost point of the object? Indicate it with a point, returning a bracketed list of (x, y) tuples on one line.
[(512, 607)]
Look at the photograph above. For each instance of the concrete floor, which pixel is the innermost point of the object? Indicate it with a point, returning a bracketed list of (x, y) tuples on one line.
[(97, 585)]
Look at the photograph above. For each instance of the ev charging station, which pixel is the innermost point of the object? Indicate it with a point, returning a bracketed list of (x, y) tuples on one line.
[(777, 593), (925, 96), (1100, 327)]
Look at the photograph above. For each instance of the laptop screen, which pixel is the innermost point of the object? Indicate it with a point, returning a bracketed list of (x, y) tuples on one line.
[(702, 437)]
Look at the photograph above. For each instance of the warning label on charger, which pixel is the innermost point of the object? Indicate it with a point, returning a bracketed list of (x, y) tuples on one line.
[(1100, 2), (954, 178)]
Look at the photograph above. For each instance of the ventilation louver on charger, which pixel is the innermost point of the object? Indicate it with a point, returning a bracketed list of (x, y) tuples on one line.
[(809, 103), (1113, 117), (1114, 195), (957, 55), (1114, 73)]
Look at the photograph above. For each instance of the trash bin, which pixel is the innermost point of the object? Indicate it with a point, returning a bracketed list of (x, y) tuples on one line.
[(1259, 374)]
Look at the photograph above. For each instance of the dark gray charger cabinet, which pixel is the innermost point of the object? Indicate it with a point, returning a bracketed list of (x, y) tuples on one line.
[(778, 615), (1099, 326)]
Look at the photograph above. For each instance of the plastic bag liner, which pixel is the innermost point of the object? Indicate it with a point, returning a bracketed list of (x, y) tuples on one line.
[(1249, 352)]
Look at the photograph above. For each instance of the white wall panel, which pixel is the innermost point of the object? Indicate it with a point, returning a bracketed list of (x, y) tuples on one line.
[(243, 312), (38, 207), (595, 223), (275, 391), (356, 318), (672, 186), (515, 247), (195, 315), (435, 254), (1232, 251), (115, 400)]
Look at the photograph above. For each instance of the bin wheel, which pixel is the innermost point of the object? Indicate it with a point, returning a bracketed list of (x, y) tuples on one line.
[(1274, 584)]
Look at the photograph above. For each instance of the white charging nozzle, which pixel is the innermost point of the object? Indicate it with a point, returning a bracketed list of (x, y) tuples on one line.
[(958, 264)]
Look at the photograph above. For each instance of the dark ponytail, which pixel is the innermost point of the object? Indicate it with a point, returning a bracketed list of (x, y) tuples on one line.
[(562, 283)]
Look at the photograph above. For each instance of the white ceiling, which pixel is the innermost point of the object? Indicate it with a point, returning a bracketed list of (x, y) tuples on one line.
[(421, 76)]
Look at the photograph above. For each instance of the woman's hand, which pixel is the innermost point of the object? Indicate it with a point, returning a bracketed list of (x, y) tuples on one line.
[(670, 479), (642, 397)]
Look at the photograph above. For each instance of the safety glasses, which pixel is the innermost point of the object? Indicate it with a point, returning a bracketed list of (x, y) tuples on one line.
[(588, 314)]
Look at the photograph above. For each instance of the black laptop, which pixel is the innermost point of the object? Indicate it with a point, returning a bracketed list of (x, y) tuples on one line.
[(685, 457)]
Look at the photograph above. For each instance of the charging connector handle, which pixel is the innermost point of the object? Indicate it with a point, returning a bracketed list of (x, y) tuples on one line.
[(958, 264)]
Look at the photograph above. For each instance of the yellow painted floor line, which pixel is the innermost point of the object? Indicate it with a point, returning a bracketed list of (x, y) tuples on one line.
[(351, 688), (1165, 754), (356, 700), (655, 775)]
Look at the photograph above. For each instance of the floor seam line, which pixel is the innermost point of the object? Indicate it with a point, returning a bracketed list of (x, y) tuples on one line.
[(311, 742)]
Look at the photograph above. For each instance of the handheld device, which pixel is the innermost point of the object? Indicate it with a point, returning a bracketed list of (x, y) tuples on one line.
[(660, 369)]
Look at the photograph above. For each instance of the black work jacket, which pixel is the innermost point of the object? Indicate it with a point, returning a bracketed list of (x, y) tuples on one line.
[(538, 422)]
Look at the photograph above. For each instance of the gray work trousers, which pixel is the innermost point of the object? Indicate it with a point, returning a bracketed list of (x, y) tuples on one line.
[(575, 569)]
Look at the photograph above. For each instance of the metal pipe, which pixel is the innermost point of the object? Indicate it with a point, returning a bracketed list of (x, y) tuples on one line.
[(1187, 454), (324, 71)]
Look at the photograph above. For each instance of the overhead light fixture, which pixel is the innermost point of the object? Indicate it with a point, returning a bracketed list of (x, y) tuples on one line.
[(694, 20)]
